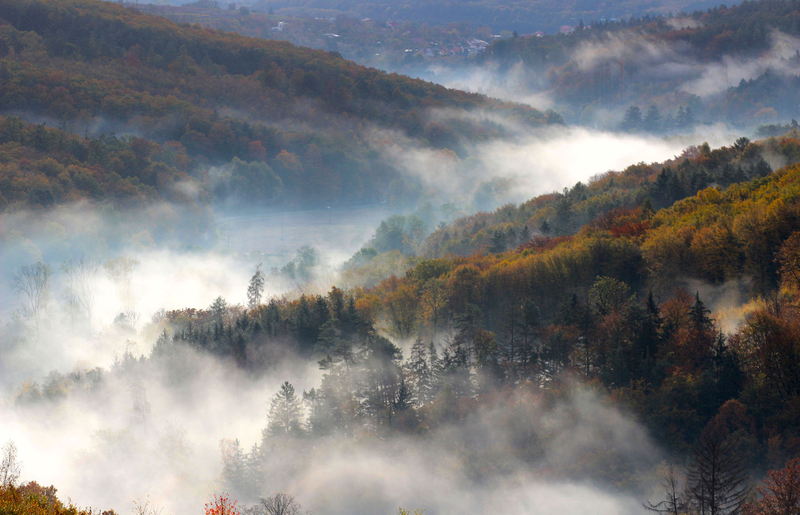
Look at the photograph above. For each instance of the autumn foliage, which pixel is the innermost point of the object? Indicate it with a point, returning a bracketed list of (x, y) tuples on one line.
[(780, 494), (34, 499), (221, 505)]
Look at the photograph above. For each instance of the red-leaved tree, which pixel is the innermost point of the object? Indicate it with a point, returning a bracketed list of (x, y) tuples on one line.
[(221, 505), (780, 494)]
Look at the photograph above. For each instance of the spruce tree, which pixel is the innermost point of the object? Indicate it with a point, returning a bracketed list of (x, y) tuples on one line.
[(256, 288), (285, 412)]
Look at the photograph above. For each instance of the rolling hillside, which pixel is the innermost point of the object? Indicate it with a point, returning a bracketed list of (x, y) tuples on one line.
[(262, 121)]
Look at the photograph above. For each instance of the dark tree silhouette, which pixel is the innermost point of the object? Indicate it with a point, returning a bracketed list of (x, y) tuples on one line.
[(717, 479)]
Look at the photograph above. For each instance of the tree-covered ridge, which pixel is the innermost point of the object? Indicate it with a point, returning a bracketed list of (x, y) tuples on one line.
[(624, 64), (89, 31), (602, 65), (608, 305), (533, 315), (287, 125), (560, 214), (739, 29), (42, 167)]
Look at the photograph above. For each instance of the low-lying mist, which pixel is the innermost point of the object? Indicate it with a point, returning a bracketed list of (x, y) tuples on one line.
[(530, 162), (147, 430), (597, 79)]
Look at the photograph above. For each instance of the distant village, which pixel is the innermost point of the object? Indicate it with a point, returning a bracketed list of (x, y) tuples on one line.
[(393, 37)]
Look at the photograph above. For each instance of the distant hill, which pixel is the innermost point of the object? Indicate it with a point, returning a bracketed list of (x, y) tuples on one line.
[(736, 65), (544, 15), (262, 121)]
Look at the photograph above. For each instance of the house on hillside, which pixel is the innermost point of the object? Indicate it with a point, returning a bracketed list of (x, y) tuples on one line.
[(476, 46)]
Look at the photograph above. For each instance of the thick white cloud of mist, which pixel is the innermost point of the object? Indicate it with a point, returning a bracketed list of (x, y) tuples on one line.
[(97, 449), (376, 481), (172, 271), (624, 46), (337, 231), (162, 280), (717, 77), (533, 162), (518, 84)]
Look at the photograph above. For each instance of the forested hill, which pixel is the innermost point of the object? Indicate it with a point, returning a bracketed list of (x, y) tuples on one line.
[(287, 125), (545, 15), (91, 31), (737, 65), (707, 34), (552, 217)]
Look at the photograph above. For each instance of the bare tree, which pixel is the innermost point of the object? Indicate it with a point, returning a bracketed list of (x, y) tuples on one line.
[(146, 508), (280, 504), (173, 444), (140, 409), (717, 480), (120, 271), (81, 284), (32, 284), (133, 318), (673, 503), (9, 466)]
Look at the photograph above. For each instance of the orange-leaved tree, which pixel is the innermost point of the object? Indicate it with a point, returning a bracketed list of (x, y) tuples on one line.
[(221, 505)]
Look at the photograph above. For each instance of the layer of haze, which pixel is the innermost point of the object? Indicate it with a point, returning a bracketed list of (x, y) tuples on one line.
[(94, 448), (532, 162), (646, 61)]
